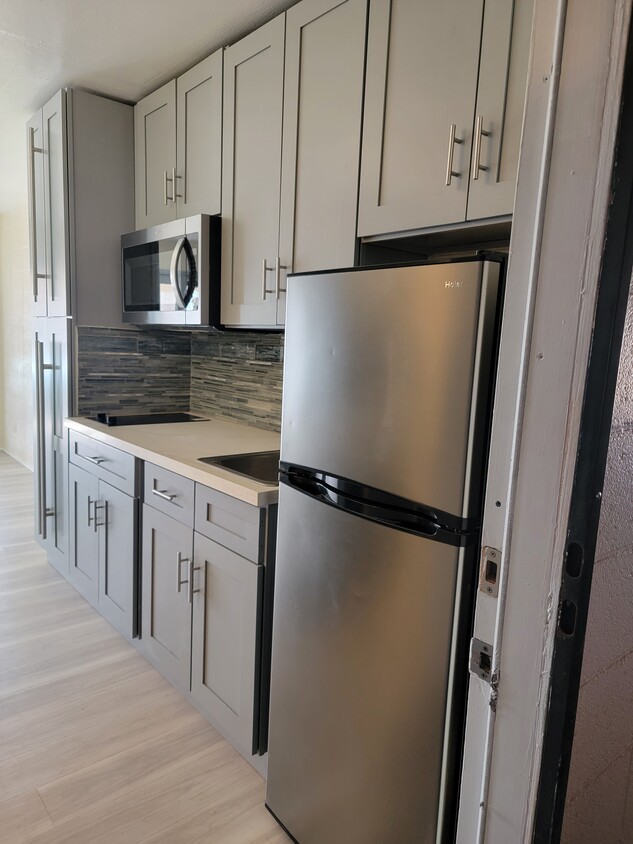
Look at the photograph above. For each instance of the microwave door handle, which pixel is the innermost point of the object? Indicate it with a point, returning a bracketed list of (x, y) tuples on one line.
[(173, 271)]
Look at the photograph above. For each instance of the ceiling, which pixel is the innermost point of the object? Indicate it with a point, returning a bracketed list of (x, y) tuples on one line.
[(122, 48)]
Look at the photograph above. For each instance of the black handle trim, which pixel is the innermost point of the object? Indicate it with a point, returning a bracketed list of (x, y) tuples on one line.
[(376, 506)]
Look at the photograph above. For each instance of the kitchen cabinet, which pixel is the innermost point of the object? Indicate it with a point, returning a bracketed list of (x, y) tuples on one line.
[(227, 595), (103, 534), (81, 199), (203, 599), (53, 398), (231, 553), (443, 112), (289, 200), (166, 576), (48, 151), (167, 555), (178, 146)]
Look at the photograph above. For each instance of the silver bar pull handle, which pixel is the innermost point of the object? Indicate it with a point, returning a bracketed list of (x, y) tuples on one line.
[(164, 187), (174, 177), (40, 438), (278, 267), (479, 132), (98, 506), (266, 269), (32, 150), (96, 460), (91, 518), (452, 140), (179, 560), (162, 493), (192, 591)]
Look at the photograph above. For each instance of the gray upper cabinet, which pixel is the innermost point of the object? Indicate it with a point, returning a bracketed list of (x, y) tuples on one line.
[(227, 598), (48, 205), (178, 146), (251, 172), (81, 199), (505, 50), (422, 63), (289, 200), (155, 156), (199, 138), (439, 147), (323, 93)]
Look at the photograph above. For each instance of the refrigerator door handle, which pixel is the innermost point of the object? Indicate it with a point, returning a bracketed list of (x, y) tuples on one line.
[(321, 491)]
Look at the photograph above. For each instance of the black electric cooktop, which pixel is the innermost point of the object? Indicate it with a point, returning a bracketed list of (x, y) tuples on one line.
[(146, 418)]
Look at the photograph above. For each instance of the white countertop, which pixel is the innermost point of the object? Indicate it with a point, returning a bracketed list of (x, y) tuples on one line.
[(177, 447)]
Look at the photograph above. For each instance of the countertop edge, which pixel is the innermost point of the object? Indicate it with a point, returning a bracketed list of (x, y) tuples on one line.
[(221, 480)]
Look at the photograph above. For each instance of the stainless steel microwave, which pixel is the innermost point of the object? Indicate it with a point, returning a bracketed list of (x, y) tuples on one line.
[(171, 273)]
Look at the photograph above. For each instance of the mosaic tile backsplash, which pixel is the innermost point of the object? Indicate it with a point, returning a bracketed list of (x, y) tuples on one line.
[(235, 375), (132, 369)]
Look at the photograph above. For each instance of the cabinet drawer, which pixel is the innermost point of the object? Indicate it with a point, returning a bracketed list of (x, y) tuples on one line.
[(112, 465), (168, 492), (230, 522)]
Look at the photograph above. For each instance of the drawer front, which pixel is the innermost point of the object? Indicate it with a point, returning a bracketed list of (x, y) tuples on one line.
[(112, 465), (232, 523), (168, 492)]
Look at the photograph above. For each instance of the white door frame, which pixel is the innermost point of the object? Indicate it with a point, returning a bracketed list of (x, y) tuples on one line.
[(562, 200)]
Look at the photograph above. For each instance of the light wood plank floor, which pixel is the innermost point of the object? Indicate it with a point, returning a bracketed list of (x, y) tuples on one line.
[(95, 746)]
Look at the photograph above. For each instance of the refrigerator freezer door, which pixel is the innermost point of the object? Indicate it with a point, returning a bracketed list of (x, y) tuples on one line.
[(362, 633), (383, 373)]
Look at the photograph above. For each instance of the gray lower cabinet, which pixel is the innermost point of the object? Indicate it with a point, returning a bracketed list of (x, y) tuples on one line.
[(103, 548), (226, 641), (83, 571), (166, 560), (52, 351)]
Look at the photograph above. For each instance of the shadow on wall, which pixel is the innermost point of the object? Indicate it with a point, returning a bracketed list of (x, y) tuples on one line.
[(599, 805), (16, 393)]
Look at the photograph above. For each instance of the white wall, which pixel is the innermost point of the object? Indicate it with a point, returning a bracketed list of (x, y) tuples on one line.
[(599, 805), (16, 399)]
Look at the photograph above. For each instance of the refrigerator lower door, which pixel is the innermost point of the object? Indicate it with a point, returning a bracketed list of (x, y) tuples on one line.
[(363, 623)]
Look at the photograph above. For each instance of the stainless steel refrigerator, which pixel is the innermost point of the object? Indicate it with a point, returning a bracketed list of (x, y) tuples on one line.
[(386, 404)]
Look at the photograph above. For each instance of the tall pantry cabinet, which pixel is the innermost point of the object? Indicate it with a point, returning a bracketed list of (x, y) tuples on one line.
[(81, 199)]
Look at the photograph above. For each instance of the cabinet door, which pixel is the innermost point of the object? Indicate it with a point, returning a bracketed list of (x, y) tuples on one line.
[(166, 608), (117, 524), (83, 571), (155, 157), (253, 105), (56, 205), (199, 138), (505, 49), (52, 402), (422, 63), (37, 224), (225, 646), (323, 92)]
